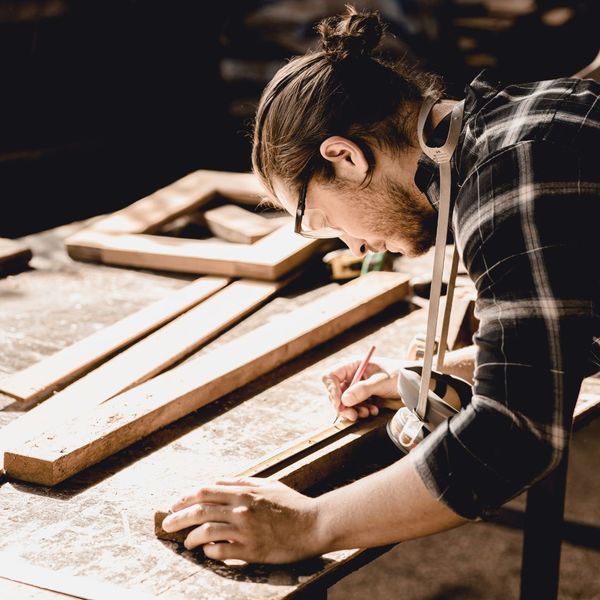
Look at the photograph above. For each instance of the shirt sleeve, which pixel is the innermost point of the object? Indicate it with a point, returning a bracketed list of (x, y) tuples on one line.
[(525, 222)]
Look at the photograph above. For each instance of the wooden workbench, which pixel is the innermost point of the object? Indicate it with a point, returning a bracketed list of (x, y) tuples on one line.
[(99, 523)]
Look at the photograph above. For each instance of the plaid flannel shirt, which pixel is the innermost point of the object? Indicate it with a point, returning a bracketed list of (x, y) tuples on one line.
[(525, 216)]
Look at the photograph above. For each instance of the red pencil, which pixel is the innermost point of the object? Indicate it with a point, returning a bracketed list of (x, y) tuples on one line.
[(360, 371)]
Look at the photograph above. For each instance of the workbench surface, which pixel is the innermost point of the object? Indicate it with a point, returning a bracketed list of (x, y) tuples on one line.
[(99, 523)]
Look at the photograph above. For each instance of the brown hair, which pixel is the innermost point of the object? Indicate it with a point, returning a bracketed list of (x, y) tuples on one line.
[(341, 89)]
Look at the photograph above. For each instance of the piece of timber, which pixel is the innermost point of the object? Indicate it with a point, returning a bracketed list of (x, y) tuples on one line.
[(57, 454), (305, 462), (143, 360), (236, 224), (270, 258), (178, 198), (56, 371), (14, 256)]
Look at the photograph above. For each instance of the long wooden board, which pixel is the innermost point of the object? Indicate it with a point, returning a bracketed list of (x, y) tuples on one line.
[(42, 378), (58, 454), (184, 195), (270, 258), (143, 360), (304, 463)]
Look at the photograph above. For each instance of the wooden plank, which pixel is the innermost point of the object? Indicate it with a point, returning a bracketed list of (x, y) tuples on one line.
[(311, 462), (58, 454), (14, 256), (143, 360), (183, 196), (41, 379), (15, 568), (236, 224), (270, 258)]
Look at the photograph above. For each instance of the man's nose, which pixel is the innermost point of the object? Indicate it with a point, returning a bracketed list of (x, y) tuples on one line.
[(357, 247)]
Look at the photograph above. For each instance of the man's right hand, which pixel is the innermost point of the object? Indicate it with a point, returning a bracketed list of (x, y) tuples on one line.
[(360, 399)]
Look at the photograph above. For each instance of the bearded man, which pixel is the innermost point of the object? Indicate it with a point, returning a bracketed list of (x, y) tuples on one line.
[(336, 145)]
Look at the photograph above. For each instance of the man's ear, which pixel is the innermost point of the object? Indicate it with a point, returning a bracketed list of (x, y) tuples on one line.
[(347, 159)]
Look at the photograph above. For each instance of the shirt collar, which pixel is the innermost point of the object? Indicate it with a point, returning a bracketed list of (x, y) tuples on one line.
[(477, 93)]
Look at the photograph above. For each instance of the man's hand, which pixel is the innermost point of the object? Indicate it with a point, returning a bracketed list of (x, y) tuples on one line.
[(360, 399), (251, 519)]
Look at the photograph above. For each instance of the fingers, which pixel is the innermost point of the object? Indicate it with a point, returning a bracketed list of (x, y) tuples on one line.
[(210, 532), (224, 551), (218, 494), (378, 384), (337, 381), (195, 514), (245, 481)]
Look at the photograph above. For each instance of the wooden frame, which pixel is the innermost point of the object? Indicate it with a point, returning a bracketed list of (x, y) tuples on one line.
[(179, 198), (57, 454), (122, 238), (272, 257)]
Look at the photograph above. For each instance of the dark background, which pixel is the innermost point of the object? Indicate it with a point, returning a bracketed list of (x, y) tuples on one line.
[(104, 101)]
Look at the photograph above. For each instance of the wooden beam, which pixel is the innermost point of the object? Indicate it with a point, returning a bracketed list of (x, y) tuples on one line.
[(143, 360), (305, 462), (184, 195), (14, 256), (270, 258), (79, 443), (38, 381), (236, 224)]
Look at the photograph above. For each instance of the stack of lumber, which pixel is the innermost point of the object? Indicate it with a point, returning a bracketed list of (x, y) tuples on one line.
[(97, 418)]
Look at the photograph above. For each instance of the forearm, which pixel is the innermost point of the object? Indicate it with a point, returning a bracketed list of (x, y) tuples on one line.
[(460, 363), (391, 505)]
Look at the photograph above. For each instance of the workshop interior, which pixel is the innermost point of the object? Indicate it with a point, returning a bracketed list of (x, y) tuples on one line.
[(161, 322)]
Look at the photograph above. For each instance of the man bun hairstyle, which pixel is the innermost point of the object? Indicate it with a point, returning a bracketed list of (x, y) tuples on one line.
[(343, 89), (350, 36)]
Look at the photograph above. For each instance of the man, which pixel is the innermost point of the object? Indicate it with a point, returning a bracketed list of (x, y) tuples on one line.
[(336, 145)]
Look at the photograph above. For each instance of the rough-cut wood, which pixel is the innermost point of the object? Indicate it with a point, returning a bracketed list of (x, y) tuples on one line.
[(182, 196), (57, 454), (14, 568), (303, 463), (143, 360), (236, 224), (41, 379), (14, 256), (270, 258)]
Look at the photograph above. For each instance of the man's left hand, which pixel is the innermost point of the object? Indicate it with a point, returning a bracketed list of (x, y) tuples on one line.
[(252, 519)]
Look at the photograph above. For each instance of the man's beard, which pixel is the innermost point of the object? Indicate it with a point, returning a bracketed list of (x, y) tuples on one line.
[(393, 213)]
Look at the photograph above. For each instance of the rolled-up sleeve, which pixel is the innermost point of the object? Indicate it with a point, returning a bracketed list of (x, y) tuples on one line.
[(527, 244)]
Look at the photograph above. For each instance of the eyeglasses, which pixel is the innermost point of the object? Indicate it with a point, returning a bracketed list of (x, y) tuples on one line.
[(312, 222)]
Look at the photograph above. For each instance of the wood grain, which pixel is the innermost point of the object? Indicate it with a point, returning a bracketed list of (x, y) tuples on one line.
[(14, 568), (304, 463), (59, 453), (40, 380), (143, 360), (270, 258), (236, 224), (180, 197)]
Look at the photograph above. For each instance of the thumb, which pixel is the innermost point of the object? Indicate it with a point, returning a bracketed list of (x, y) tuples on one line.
[(379, 384)]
